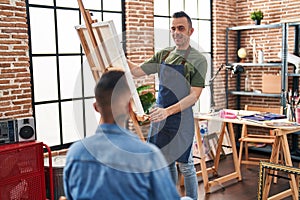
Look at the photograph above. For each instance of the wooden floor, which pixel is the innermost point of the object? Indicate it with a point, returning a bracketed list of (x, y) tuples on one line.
[(235, 190)]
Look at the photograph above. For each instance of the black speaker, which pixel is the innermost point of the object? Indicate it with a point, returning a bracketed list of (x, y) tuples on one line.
[(25, 130)]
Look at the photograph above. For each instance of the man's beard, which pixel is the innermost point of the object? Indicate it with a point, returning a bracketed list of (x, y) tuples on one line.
[(180, 40)]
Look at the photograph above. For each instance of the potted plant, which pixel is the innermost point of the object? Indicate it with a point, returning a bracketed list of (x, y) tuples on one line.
[(257, 16)]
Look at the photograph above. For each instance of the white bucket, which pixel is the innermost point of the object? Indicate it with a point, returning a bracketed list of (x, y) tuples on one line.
[(58, 163)]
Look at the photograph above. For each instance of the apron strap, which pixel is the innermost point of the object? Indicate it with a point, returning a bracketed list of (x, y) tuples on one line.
[(184, 57), (165, 57)]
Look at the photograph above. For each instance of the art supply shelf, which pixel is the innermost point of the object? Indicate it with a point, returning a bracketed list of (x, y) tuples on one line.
[(288, 34), (282, 65)]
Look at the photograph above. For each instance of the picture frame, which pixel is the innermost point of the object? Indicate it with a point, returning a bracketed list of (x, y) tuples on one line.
[(267, 169)]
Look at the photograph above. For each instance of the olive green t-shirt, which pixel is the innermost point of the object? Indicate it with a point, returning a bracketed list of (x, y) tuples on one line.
[(195, 67)]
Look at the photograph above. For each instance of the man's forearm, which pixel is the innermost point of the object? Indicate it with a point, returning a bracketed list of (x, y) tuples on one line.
[(135, 69), (185, 103)]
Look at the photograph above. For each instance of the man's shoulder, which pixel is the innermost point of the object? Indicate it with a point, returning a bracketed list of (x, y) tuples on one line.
[(78, 148), (127, 141), (169, 48), (165, 50), (196, 53)]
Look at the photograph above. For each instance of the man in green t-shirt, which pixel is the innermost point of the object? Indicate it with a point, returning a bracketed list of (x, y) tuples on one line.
[(181, 71)]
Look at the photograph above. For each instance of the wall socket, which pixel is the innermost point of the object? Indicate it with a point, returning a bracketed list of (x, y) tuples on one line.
[(1, 93)]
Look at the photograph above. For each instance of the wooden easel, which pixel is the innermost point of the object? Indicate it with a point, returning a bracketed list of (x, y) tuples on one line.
[(98, 64)]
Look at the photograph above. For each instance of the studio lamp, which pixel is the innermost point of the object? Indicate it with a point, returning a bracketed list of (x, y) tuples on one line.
[(235, 69)]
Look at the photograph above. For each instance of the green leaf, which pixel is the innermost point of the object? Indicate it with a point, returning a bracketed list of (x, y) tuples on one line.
[(147, 99), (257, 15), (142, 88)]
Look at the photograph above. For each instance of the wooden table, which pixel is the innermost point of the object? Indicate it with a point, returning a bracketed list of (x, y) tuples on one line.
[(281, 144)]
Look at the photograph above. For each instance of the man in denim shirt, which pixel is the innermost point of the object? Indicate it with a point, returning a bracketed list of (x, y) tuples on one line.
[(114, 163)]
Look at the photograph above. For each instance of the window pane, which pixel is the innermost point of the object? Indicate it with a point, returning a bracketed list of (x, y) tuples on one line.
[(195, 35), (89, 81), (42, 31), (204, 9), (39, 2), (191, 8), (47, 124), (161, 7), (204, 102), (205, 35), (175, 6), (114, 5), (68, 3), (117, 18), (92, 117), (95, 16), (92, 4), (72, 121), (68, 40), (208, 74), (161, 33), (45, 78), (205, 97), (70, 77)]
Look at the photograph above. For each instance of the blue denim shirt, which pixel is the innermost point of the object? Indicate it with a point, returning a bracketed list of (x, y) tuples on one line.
[(116, 164)]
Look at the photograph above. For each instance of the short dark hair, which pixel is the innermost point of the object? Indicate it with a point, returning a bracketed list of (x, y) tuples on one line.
[(183, 14), (112, 81)]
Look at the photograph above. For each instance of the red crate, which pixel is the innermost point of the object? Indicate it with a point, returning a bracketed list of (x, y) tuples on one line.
[(28, 187), (22, 171)]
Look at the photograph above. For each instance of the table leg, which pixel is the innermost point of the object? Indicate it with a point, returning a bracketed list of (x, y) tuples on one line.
[(274, 155), (244, 131), (203, 171), (219, 147), (234, 152)]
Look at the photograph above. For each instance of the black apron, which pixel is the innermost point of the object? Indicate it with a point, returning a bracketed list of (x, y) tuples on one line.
[(174, 135)]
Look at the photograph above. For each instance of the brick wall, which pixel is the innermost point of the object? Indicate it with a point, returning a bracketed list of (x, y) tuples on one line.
[(237, 14), (140, 37), (140, 33), (15, 87), (222, 18), (15, 91)]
